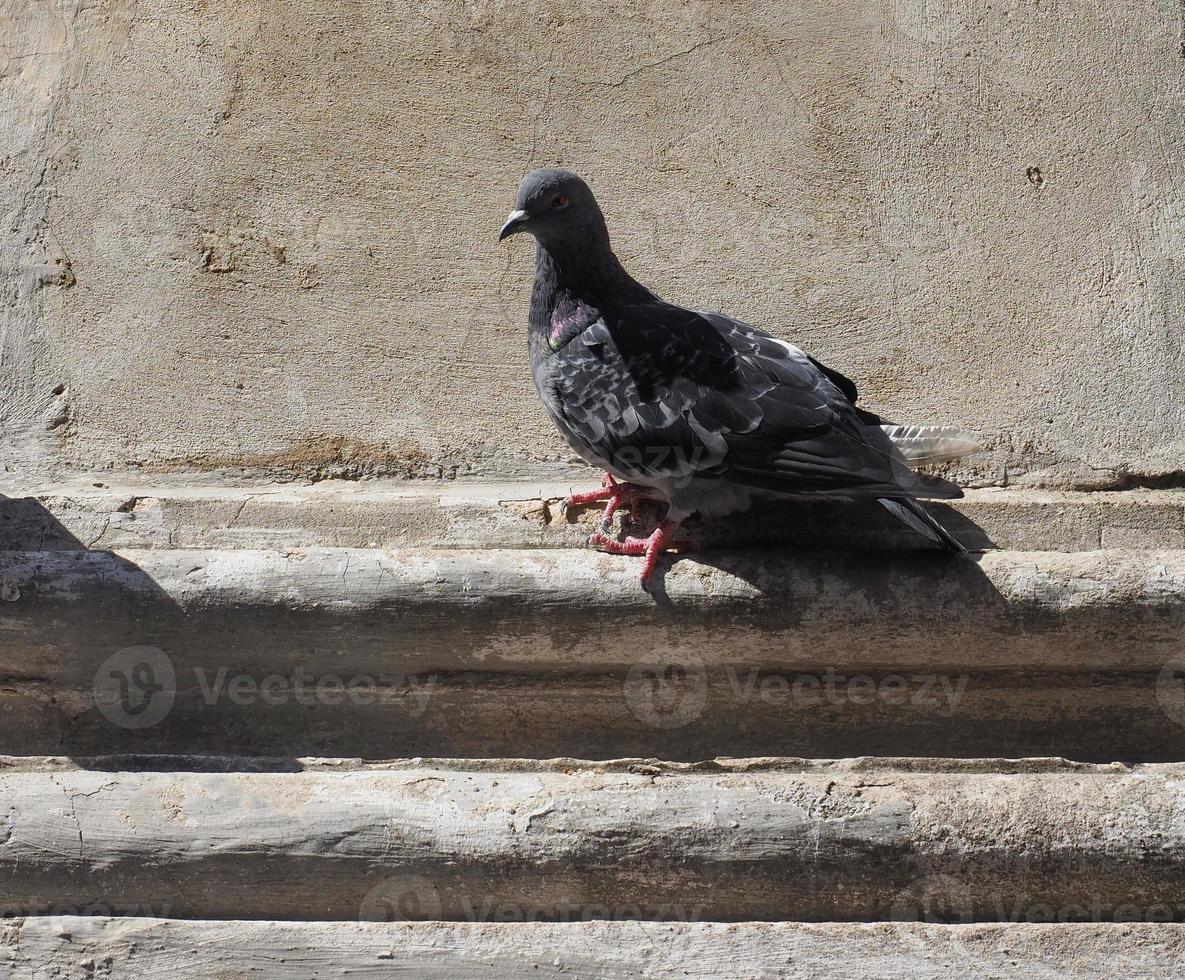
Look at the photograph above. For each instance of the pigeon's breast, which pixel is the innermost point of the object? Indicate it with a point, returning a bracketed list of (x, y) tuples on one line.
[(547, 373), (569, 318)]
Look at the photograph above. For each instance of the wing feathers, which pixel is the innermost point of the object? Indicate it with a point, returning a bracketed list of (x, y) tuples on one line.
[(931, 443), (656, 391), (909, 511)]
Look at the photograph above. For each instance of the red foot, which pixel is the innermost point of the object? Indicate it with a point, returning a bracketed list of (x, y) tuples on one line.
[(616, 493), (652, 547), (607, 491)]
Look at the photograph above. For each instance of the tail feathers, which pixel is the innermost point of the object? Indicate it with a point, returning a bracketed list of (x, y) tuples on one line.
[(930, 443), (927, 487), (910, 512)]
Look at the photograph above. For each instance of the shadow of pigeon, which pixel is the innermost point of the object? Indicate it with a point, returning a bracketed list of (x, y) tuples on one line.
[(86, 649)]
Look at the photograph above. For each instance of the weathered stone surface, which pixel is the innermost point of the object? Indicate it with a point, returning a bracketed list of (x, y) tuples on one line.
[(692, 715), (260, 237), (428, 650), (73, 947), (195, 513), (571, 840), (381, 653), (543, 610)]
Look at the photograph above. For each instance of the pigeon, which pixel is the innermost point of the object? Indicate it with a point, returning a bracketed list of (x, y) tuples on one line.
[(695, 410)]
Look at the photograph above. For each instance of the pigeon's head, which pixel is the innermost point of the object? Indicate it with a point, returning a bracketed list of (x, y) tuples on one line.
[(556, 207)]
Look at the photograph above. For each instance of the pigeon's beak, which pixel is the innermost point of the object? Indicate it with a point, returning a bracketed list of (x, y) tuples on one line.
[(514, 224)]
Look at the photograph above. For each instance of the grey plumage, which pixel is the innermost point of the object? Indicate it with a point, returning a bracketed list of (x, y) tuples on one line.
[(707, 411)]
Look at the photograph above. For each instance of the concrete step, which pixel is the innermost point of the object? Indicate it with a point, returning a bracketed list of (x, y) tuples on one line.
[(379, 653), (730, 840), (539, 611), (127, 512), (69, 946), (227, 682), (679, 715)]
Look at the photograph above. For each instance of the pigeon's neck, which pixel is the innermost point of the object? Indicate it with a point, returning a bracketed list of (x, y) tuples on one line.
[(576, 285)]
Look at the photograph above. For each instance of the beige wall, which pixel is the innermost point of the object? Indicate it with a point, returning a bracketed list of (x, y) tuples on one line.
[(262, 235)]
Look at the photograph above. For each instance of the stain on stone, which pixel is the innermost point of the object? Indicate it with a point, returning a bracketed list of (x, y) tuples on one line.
[(59, 411), (309, 277), (333, 457), (1036, 178), (215, 261), (425, 787), (528, 510), (62, 274)]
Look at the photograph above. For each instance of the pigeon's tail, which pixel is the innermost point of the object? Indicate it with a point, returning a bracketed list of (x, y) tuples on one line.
[(909, 511), (919, 444)]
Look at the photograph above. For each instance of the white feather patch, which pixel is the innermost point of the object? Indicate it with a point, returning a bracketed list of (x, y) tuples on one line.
[(931, 443)]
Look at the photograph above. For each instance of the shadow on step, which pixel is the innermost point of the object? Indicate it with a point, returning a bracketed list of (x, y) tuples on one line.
[(79, 635), (680, 716), (811, 525), (382, 654)]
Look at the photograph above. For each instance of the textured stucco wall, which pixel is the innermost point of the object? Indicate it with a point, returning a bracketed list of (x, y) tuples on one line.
[(261, 235)]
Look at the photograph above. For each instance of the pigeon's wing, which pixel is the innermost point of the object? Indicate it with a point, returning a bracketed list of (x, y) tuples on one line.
[(841, 381), (778, 454), (850, 392), (624, 391), (657, 391)]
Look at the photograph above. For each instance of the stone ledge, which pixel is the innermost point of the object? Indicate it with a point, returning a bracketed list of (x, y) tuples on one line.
[(546, 610), (738, 711), (566, 765), (123, 513), (548, 651), (828, 842), (62, 946)]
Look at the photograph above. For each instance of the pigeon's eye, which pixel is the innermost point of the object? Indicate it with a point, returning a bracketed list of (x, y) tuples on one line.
[(559, 201)]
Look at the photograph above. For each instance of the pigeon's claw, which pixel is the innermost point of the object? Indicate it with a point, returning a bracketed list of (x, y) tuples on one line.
[(653, 547), (580, 499), (617, 494), (609, 489), (627, 494)]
